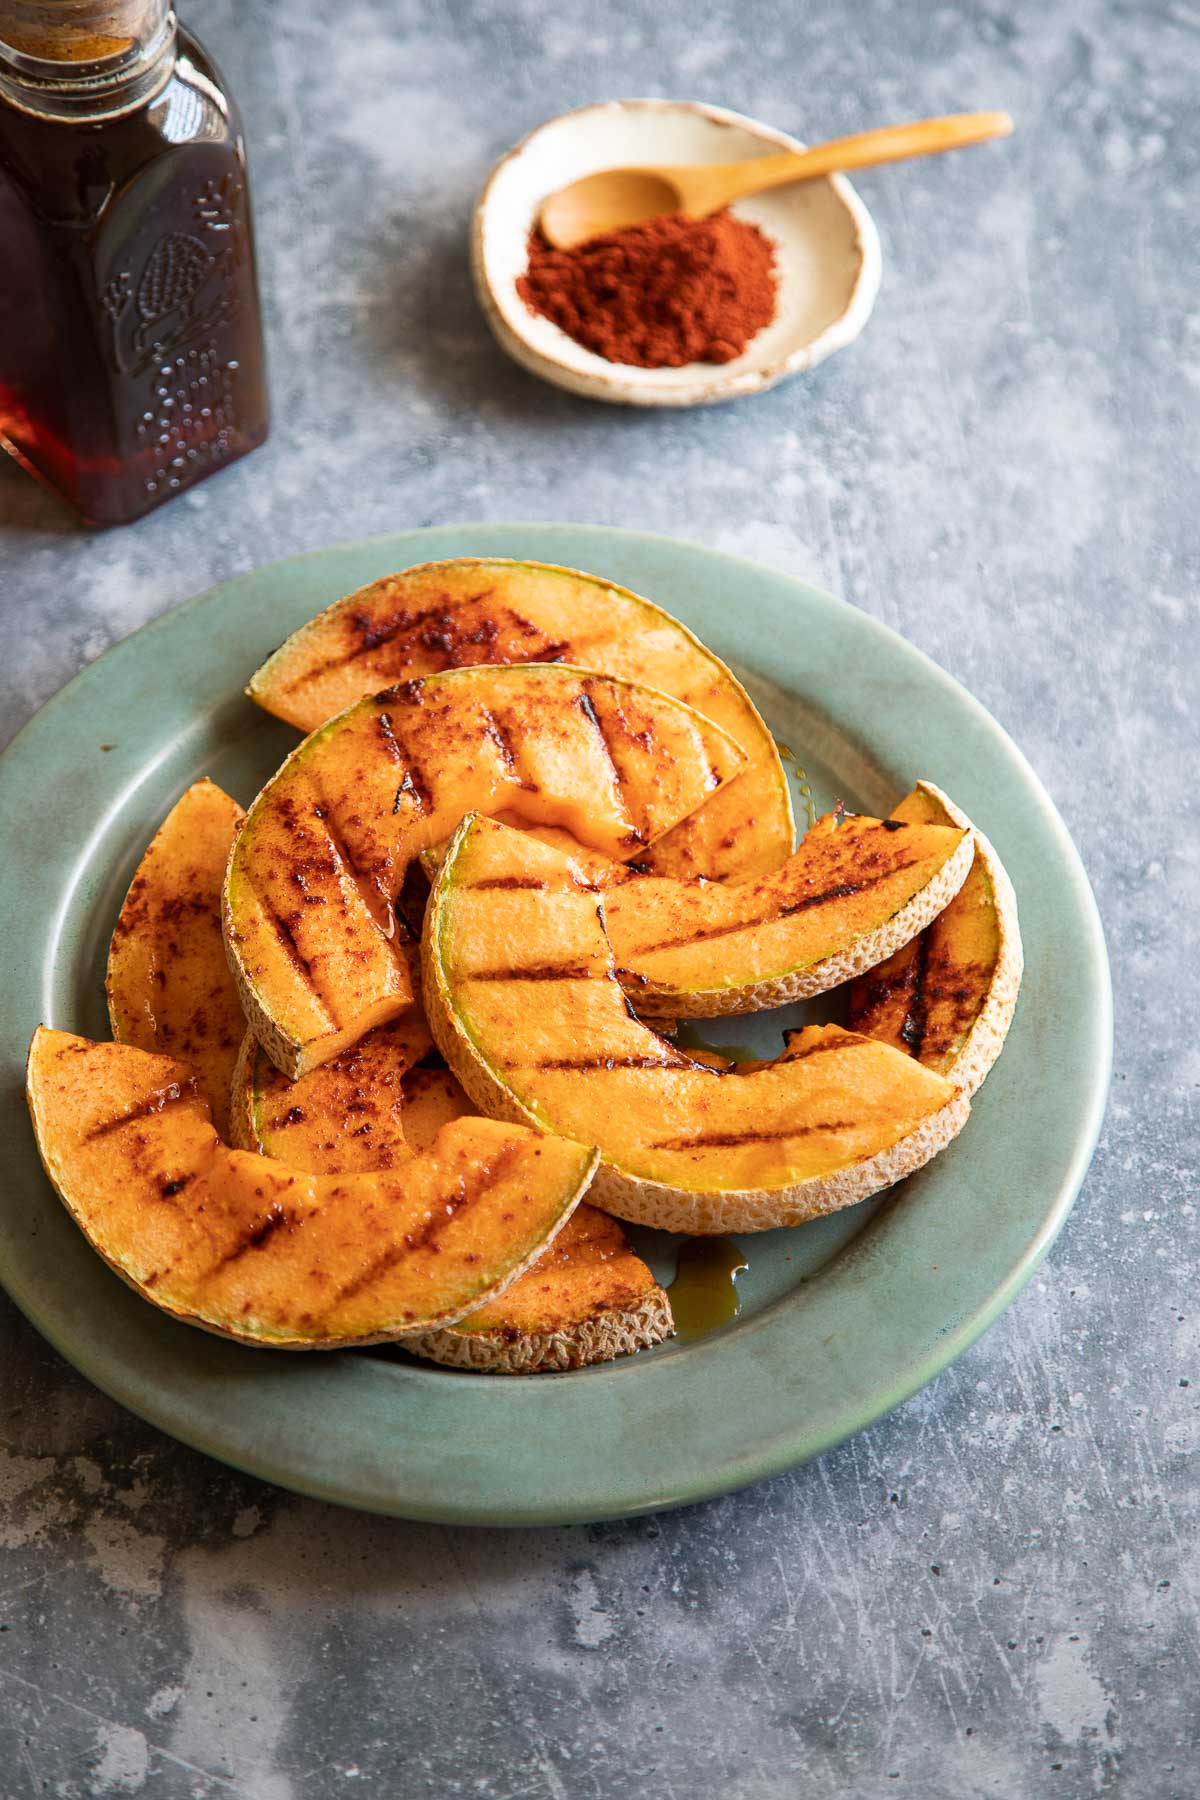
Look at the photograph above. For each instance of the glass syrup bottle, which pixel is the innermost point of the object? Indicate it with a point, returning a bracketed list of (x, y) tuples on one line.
[(131, 357)]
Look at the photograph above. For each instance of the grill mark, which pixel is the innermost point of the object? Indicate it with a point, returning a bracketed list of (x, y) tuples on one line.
[(536, 972), (436, 629), (466, 1197), (496, 883), (567, 1063), (414, 783), (916, 1019), (427, 1233), (340, 848), (372, 1273), (292, 950), (842, 891), (493, 729), (172, 1095), (730, 1140), (368, 884), (584, 703), (374, 637), (383, 725), (872, 992), (961, 990), (274, 1220), (453, 645)]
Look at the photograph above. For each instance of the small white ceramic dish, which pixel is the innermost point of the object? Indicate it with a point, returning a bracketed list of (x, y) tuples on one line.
[(826, 250)]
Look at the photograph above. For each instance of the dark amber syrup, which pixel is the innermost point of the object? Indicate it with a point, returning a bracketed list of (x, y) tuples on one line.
[(704, 1292), (131, 360), (789, 756)]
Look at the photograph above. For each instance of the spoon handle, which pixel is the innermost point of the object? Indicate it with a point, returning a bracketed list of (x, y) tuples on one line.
[(891, 143)]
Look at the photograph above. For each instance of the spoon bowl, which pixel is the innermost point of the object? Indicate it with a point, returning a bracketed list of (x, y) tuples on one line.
[(607, 201)]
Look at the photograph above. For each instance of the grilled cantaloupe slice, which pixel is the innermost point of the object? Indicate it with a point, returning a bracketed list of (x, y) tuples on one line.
[(586, 1299), (249, 1248), (169, 986), (432, 1097), (589, 1298), (444, 615), (853, 892), (308, 910), (350, 1114), (948, 997), (523, 1001)]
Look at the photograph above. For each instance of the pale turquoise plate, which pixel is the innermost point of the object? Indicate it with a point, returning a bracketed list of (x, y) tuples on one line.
[(841, 1320)]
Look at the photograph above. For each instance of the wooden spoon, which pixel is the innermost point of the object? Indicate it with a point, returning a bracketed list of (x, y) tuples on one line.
[(614, 198)]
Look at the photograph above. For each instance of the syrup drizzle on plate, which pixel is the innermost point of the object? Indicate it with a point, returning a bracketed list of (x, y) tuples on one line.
[(704, 1292), (789, 756)]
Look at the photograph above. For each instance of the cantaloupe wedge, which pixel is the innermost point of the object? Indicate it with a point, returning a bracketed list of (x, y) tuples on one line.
[(246, 1247), (445, 615), (348, 1115), (370, 1108), (169, 986), (586, 1299), (853, 892), (523, 1000), (949, 996), (432, 1097), (309, 917)]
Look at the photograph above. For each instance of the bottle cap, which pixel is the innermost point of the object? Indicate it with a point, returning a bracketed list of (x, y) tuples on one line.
[(78, 31)]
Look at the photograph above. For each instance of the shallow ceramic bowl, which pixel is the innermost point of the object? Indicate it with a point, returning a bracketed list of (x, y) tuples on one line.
[(826, 250)]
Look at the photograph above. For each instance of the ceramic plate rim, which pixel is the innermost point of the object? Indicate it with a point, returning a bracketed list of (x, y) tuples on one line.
[(188, 1409)]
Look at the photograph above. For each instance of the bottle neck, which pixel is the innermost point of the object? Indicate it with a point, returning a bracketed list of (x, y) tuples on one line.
[(84, 59)]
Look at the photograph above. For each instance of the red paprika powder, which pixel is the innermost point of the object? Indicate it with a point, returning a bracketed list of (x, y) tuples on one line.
[(672, 291)]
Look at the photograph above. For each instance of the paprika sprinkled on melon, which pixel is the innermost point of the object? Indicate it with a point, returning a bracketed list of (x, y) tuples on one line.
[(671, 291)]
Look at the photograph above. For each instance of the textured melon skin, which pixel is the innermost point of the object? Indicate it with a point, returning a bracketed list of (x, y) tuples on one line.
[(243, 1247), (736, 981), (879, 1002), (618, 1331), (308, 908), (587, 1299), (497, 610), (932, 1114)]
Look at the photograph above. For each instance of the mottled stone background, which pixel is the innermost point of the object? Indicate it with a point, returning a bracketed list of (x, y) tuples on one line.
[(995, 1591)]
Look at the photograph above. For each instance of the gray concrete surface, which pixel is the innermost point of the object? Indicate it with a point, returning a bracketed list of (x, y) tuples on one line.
[(994, 1592)]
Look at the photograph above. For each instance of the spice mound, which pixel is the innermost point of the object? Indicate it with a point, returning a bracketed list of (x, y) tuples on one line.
[(659, 295)]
